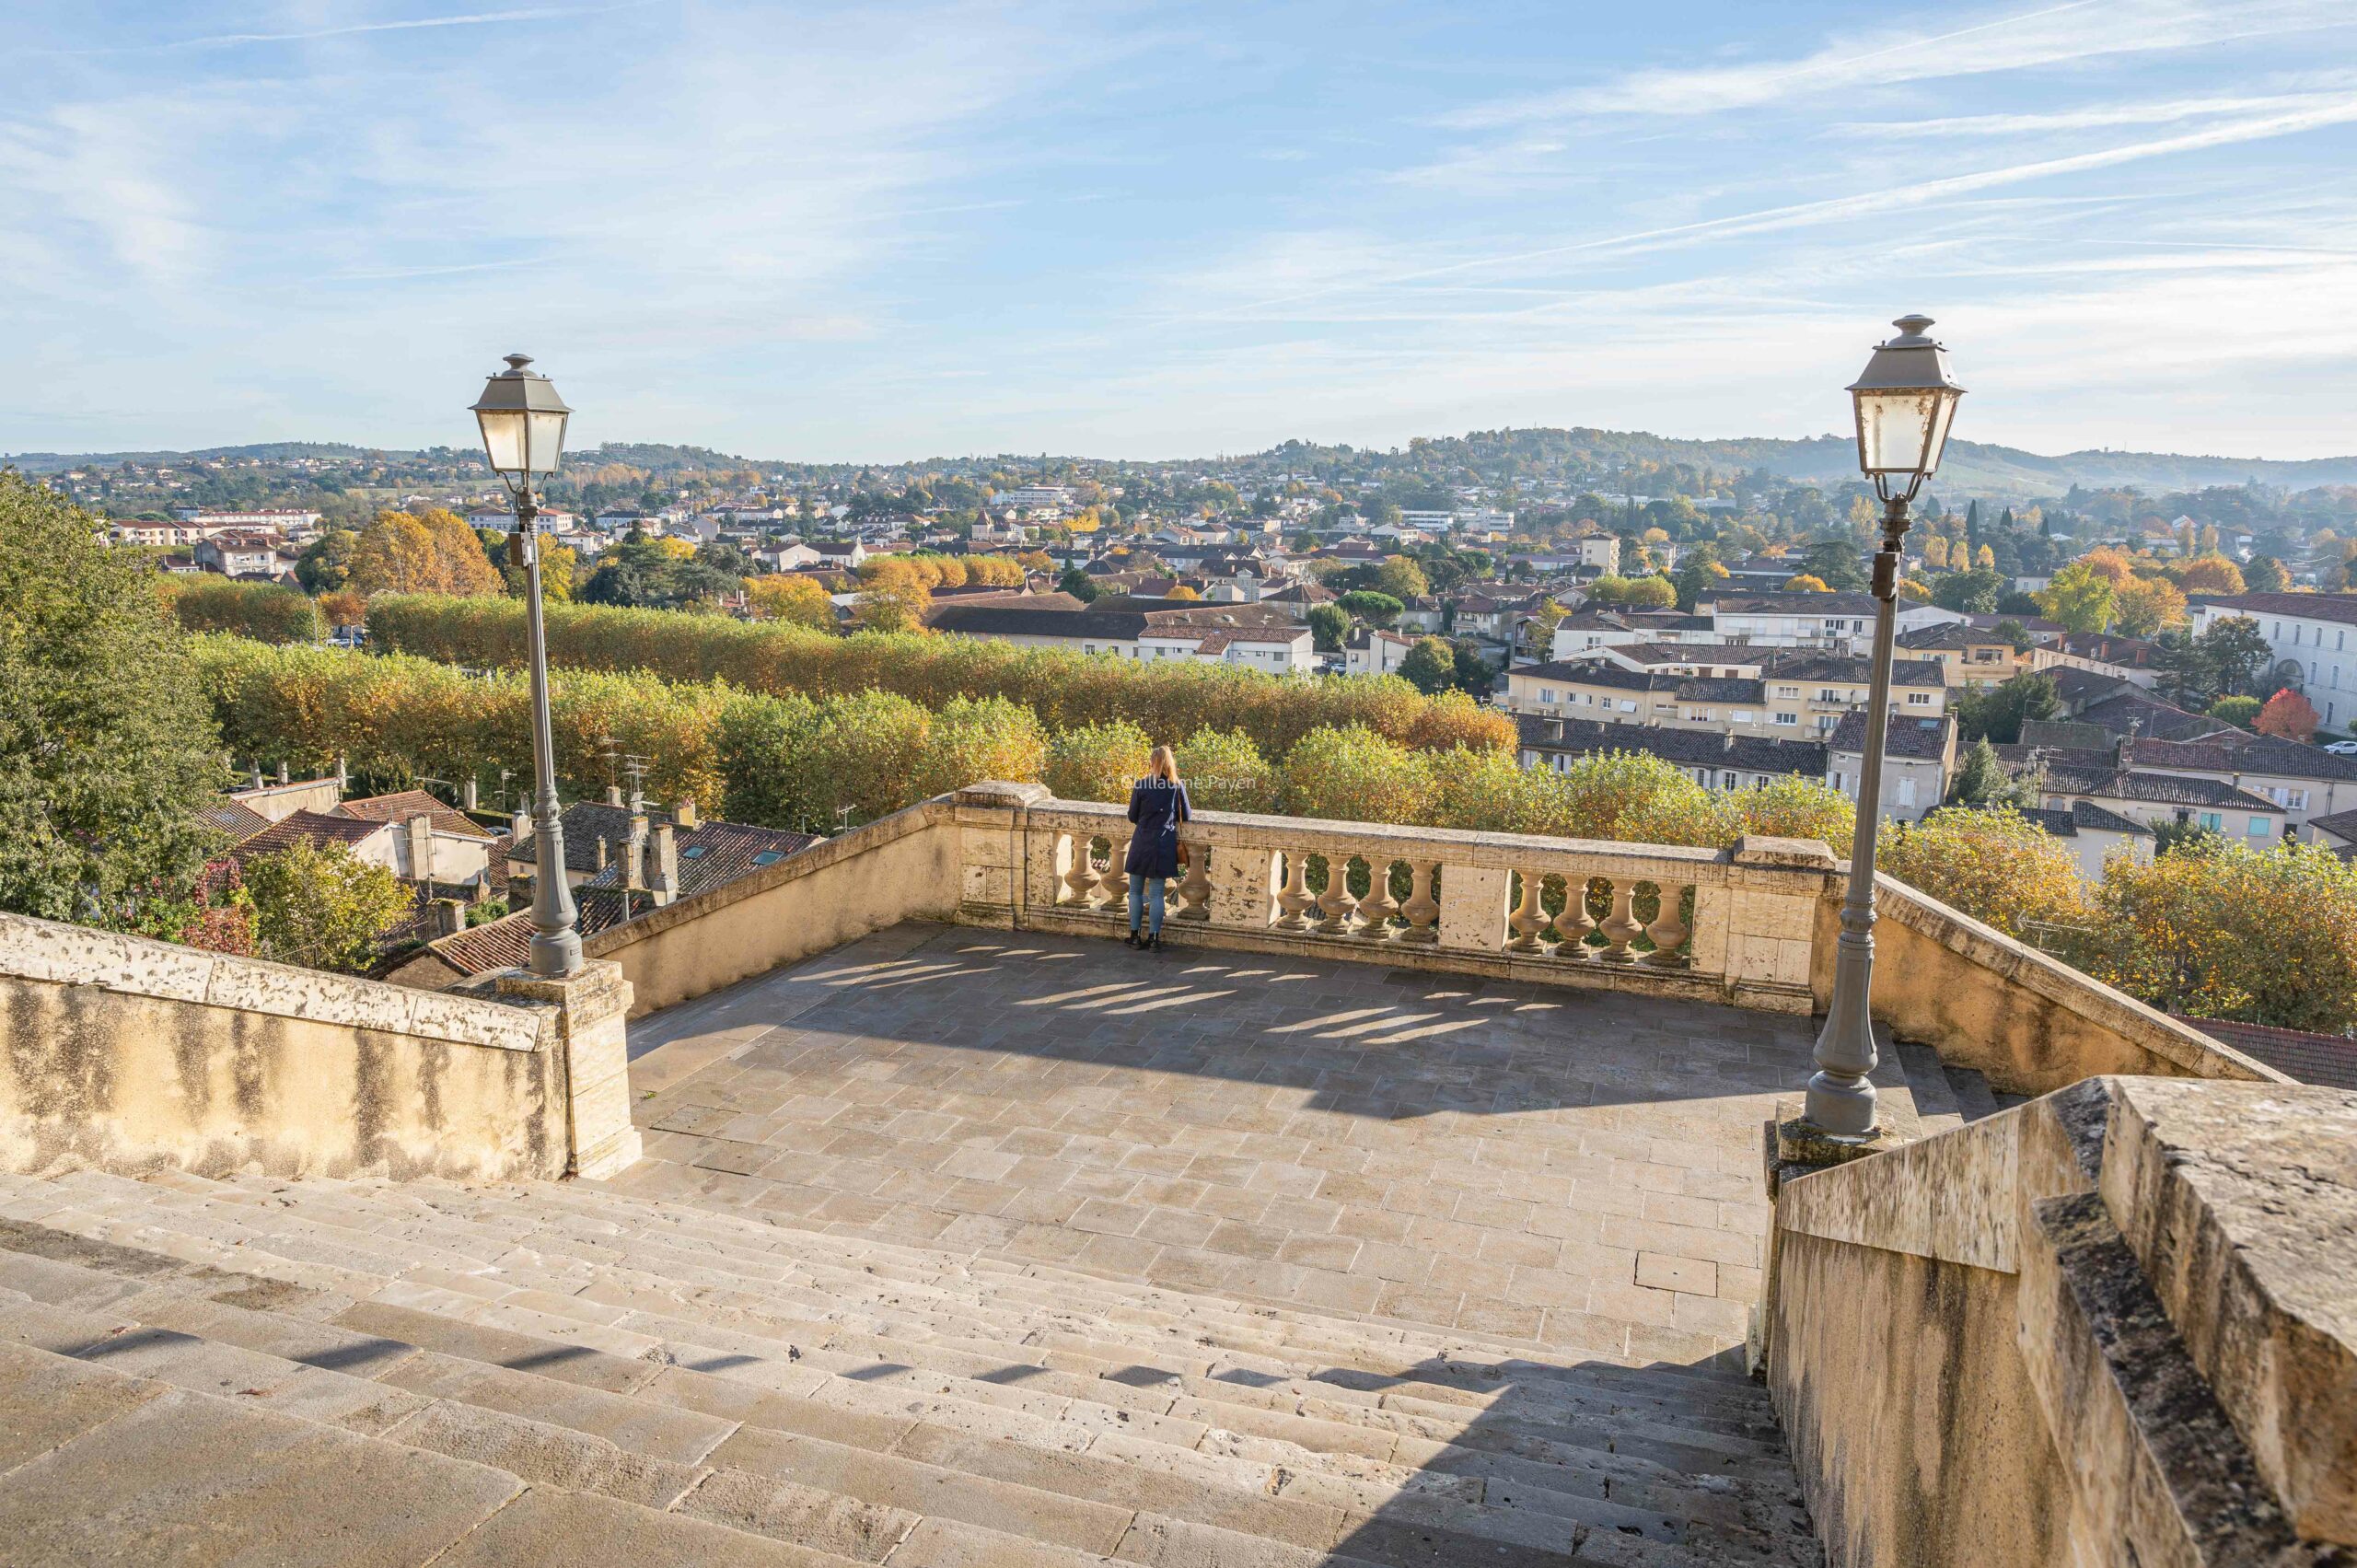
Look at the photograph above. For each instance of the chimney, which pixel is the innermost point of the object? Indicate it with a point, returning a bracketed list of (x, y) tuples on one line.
[(449, 917), (633, 862), (613, 795), (282, 774), (466, 797), (342, 775), (683, 812), (663, 881), (519, 827), (420, 829), (602, 850), (253, 778)]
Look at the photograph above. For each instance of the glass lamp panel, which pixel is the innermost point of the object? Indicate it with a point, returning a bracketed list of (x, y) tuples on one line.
[(502, 438), (1894, 429), (547, 437), (1942, 418)]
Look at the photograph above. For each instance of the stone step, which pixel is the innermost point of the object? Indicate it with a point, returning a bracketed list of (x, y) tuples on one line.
[(1971, 1090), (762, 1476), (1330, 1382), (1195, 1489), (1935, 1106)]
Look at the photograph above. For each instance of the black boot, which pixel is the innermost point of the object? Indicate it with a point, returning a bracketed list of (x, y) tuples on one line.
[(1131, 940), (1154, 942)]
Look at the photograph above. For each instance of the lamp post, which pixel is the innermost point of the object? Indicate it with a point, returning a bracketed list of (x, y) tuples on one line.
[(1904, 403), (523, 434)]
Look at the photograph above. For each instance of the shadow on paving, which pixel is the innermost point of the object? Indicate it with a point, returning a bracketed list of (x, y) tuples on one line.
[(1360, 1038), (1589, 1461)]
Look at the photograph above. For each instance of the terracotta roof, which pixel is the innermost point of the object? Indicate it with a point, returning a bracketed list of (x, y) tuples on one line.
[(316, 826), (240, 821), (2327, 1059), (1685, 747), (403, 804), (507, 942), (2339, 608)]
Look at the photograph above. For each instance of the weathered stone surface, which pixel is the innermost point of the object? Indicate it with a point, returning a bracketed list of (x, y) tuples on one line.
[(562, 1529), (48, 1400)]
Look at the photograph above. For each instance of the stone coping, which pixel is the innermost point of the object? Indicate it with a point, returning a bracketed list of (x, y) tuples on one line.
[(2049, 977), (917, 818), (138, 965)]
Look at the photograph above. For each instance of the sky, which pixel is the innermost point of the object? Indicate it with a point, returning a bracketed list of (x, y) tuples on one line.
[(884, 231)]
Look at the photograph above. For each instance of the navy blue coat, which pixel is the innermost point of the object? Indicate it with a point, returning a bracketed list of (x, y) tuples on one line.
[(1157, 807)]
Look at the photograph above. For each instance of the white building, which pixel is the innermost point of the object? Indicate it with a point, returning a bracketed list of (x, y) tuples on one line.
[(1369, 652), (2317, 631), (1844, 621)]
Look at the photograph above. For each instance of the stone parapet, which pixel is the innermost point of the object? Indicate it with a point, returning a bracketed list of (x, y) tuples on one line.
[(589, 1005), (2177, 1382)]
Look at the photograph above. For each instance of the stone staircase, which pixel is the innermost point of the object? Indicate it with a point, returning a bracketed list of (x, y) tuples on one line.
[(1946, 1097), (402, 1374)]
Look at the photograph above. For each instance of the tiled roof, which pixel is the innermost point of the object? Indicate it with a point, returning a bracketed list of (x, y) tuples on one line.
[(711, 852), (2341, 825), (1686, 748), (1798, 602), (316, 826), (1721, 689), (1034, 620), (2060, 734), (2338, 608), (403, 804), (2327, 1059), (1809, 664), (507, 942), (2158, 789), (2083, 816), (2239, 752), (1910, 736), (239, 820), (2162, 721)]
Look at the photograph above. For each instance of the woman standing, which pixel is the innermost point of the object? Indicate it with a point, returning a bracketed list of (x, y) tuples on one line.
[(1157, 805)]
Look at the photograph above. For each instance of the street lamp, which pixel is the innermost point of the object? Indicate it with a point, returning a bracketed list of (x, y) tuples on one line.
[(523, 433), (1904, 403)]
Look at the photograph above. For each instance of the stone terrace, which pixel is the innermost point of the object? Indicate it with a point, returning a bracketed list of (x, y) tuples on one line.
[(1573, 1169)]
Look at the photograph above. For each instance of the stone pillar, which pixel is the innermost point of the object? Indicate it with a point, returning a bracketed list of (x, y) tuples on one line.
[(590, 1003), (992, 827)]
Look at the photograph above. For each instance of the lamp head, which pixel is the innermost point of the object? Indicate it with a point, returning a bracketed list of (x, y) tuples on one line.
[(1905, 401), (522, 419)]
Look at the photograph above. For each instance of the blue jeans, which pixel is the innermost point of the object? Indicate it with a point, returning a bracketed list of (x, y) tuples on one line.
[(1145, 892)]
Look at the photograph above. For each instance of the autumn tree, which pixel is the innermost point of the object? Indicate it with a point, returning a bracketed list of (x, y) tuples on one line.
[(1402, 578), (1804, 584), (1997, 866), (2079, 599), (321, 906), (2210, 575), (1430, 667), (892, 597), (2148, 605), (426, 552), (2289, 715), (790, 598)]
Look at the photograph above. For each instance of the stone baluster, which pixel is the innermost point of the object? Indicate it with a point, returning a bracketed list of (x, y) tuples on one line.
[(1422, 911), (1115, 880), (1669, 931), (1336, 902), (1195, 884), (1529, 919), (1621, 926), (1080, 874), (1574, 922), (1377, 908), (1295, 899)]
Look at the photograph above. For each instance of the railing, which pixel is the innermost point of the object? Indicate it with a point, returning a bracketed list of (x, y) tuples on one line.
[(1718, 922)]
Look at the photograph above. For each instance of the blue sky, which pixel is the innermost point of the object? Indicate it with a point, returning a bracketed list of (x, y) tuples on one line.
[(887, 230)]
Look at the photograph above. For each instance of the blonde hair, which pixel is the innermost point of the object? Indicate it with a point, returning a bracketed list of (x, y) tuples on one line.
[(1163, 764)]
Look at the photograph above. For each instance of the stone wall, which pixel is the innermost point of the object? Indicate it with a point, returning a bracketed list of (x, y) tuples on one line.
[(2110, 1326), (127, 1053), (899, 868), (2027, 1019)]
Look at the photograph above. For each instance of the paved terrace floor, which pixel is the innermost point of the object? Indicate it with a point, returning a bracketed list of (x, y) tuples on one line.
[(1574, 1170)]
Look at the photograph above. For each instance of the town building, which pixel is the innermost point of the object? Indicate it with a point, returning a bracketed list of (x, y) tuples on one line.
[(1371, 652), (2312, 631), (1806, 620), (1270, 640), (1721, 761), (1787, 692), (1919, 760), (2093, 834)]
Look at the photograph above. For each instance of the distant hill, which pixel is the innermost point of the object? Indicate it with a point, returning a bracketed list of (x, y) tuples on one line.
[(1972, 467)]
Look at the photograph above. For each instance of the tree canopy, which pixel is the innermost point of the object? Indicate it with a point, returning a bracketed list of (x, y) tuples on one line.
[(108, 749)]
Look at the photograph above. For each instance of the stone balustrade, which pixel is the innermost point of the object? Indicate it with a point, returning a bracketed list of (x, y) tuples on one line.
[(1730, 924)]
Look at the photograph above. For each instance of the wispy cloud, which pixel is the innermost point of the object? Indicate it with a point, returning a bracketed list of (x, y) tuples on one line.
[(354, 30), (2052, 35)]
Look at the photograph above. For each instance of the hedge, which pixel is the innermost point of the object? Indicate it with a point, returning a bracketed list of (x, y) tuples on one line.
[(797, 761), (266, 611), (1063, 688)]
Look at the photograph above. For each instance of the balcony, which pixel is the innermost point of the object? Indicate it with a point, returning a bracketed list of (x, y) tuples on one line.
[(1422, 1202)]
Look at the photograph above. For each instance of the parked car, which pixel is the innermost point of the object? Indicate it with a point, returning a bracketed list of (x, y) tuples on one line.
[(2343, 747)]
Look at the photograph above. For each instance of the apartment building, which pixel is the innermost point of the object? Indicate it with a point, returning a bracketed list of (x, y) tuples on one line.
[(1844, 621), (2315, 632), (1789, 693)]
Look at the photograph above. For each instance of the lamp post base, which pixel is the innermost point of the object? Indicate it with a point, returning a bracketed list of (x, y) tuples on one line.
[(554, 957)]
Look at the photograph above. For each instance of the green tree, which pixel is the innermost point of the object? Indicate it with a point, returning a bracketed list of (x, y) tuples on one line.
[(2079, 599), (1999, 712), (1698, 575), (2266, 574), (1981, 780), (1076, 581), (1329, 624), (321, 906), (1836, 563), (1968, 593), (325, 564), (1376, 608), (108, 749), (2237, 711), (1401, 578), (1430, 667)]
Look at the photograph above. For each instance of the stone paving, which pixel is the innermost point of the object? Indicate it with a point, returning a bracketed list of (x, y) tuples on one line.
[(1568, 1169)]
